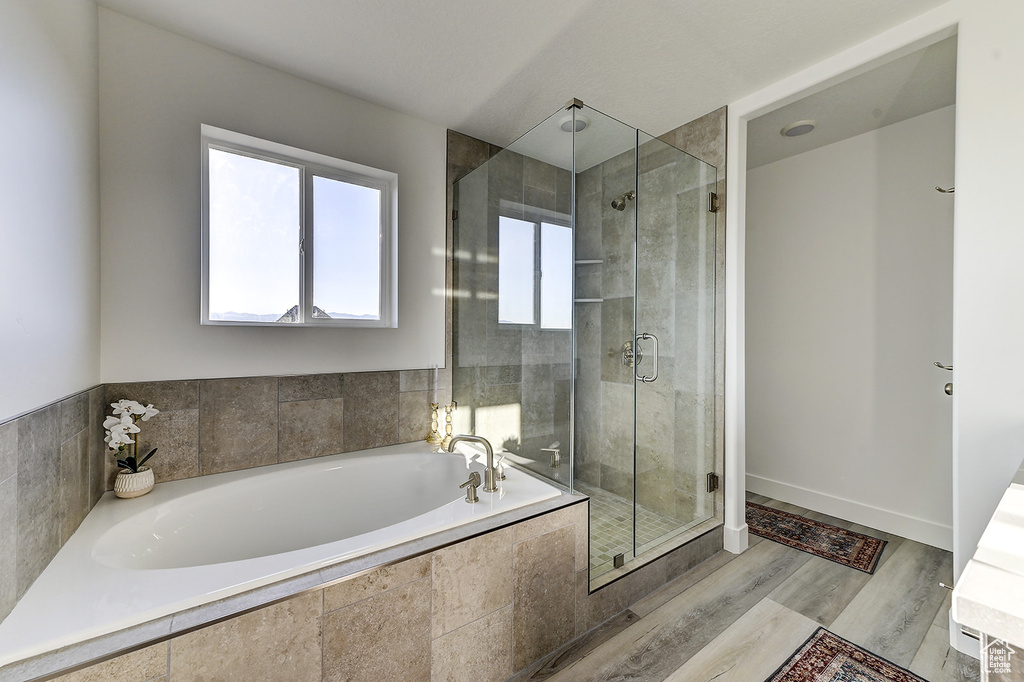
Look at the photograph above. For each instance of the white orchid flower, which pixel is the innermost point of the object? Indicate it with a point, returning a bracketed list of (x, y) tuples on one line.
[(127, 407), (149, 411), (111, 422)]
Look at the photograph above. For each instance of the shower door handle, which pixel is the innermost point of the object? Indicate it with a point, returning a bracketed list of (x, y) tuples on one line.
[(654, 377)]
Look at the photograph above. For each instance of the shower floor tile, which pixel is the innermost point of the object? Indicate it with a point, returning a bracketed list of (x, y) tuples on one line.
[(611, 526)]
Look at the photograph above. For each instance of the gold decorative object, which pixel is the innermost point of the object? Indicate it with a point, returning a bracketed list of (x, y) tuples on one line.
[(448, 423), (434, 437)]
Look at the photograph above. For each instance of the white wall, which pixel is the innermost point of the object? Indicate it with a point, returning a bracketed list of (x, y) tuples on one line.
[(49, 202), (156, 88), (849, 301), (988, 273)]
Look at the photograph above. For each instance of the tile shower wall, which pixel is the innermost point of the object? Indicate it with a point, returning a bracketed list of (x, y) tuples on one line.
[(480, 610), (51, 475), (512, 381)]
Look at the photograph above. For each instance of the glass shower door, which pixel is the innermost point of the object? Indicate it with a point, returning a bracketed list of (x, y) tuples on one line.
[(605, 156), (675, 327)]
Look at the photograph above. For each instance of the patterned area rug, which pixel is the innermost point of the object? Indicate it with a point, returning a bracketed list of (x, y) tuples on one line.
[(826, 657), (821, 539)]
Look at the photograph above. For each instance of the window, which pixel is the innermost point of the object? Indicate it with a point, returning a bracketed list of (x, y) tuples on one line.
[(534, 273), (295, 238)]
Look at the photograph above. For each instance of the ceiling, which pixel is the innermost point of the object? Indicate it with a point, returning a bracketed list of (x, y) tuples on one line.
[(494, 69), (912, 85)]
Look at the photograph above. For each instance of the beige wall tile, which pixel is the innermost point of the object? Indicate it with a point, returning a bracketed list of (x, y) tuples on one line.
[(385, 637), (380, 580), (8, 449), (310, 428), (544, 523), (74, 415), (8, 545), (175, 434), (74, 483), (371, 410), (582, 512), (471, 579), (38, 493), (239, 423), (594, 609), (545, 604), (98, 452), (478, 652), (417, 380), (279, 642), (137, 666), (414, 416), (310, 387), (164, 395)]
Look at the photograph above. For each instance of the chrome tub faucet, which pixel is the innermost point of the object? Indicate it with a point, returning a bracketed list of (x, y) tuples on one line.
[(490, 475)]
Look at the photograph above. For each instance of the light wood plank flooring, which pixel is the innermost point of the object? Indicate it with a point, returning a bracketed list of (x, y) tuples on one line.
[(738, 618)]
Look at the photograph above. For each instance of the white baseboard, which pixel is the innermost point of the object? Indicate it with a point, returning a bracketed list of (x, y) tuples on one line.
[(928, 532), (736, 539)]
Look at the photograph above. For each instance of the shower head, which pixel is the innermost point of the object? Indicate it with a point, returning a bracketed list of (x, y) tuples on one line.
[(619, 202)]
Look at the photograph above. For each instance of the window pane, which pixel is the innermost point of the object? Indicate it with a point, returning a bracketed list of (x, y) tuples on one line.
[(516, 248), (555, 276), (254, 239), (346, 250)]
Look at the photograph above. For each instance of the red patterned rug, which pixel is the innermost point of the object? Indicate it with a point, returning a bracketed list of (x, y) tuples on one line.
[(821, 539), (826, 657)]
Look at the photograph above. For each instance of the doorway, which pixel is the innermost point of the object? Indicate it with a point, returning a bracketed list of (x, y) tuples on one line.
[(849, 297)]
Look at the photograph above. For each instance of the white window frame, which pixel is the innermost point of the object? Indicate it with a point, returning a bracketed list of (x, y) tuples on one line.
[(537, 217), (310, 164)]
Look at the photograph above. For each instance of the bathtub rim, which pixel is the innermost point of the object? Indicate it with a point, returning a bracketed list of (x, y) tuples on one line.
[(79, 655)]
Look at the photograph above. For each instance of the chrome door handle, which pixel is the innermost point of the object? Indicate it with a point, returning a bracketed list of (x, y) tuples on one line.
[(644, 337), (942, 366)]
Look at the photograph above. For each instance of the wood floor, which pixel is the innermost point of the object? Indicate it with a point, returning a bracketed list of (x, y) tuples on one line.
[(737, 618)]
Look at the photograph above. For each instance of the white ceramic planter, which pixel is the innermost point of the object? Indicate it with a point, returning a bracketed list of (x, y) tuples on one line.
[(128, 484)]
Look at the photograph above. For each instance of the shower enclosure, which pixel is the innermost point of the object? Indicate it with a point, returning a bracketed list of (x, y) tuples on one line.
[(584, 325)]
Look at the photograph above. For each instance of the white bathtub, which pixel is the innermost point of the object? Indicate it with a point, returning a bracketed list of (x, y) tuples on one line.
[(203, 539)]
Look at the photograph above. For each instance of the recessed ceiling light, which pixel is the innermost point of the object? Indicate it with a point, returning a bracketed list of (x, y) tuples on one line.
[(799, 128), (581, 122)]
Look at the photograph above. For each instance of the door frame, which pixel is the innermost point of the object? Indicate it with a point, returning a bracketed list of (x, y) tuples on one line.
[(919, 32)]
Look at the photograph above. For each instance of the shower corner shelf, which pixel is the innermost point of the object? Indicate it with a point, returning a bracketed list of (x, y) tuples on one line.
[(588, 261), (588, 300)]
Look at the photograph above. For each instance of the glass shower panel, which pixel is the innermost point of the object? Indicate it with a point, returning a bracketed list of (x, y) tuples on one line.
[(605, 263), (512, 377), (583, 324), (675, 326)]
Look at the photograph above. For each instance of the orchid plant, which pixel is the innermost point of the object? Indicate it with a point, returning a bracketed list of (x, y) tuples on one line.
[(120, 426)]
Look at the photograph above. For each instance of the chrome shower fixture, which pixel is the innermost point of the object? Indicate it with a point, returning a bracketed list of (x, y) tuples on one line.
[(619, 202)]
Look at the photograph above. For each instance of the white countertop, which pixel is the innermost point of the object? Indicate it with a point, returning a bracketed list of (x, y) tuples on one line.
[(989, 597)]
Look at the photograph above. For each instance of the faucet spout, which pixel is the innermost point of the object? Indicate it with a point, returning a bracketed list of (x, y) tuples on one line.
[(490, 477)]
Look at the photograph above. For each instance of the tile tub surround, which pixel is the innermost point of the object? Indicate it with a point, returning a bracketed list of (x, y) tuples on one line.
[(210, 426), (51, 475), (533, 572), (204, 540)]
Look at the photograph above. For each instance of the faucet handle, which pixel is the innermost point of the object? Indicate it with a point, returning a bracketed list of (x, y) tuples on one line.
[(499, 468), (472, 484)]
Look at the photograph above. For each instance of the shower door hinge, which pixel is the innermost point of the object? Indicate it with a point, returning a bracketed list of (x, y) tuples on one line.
[(712, 482), (712, 202), (455, 215)]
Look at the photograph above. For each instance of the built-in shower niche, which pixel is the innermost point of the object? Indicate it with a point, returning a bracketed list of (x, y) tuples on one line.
[(584, 325)]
